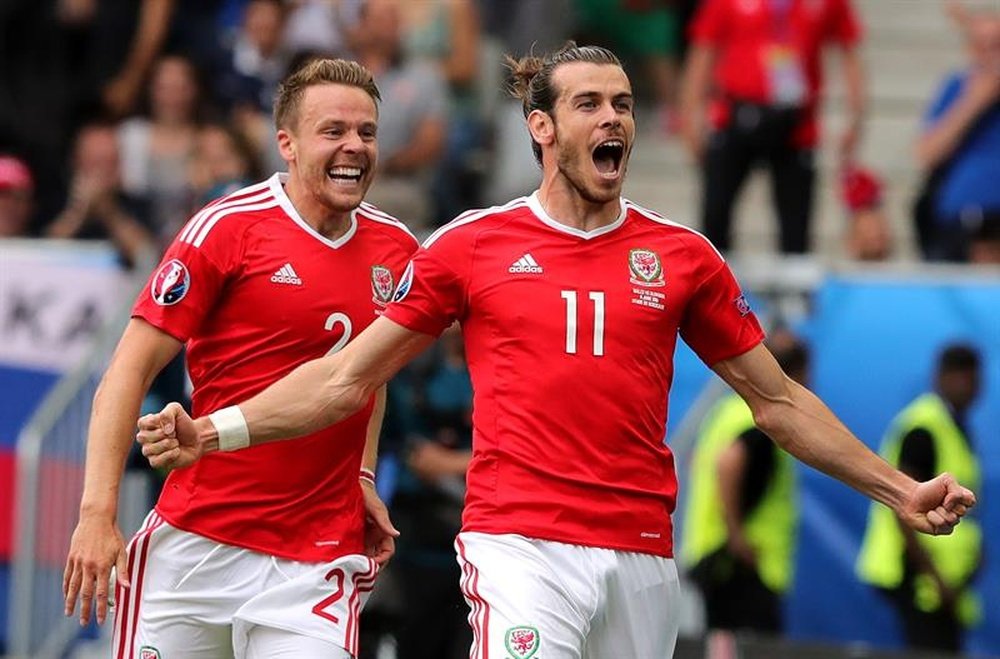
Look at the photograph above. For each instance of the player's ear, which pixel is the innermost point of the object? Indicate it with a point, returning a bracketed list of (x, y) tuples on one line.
[(286, 145), (542, 128)]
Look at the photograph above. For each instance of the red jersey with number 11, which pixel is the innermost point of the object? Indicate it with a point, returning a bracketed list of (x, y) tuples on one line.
[(254, 291), (570, 340)]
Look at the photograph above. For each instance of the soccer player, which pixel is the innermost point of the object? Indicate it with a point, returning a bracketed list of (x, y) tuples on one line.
[(266, 551), (570, 302)]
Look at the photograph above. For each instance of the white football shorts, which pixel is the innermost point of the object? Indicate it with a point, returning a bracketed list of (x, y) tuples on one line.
[(195, 597), (544, 599)]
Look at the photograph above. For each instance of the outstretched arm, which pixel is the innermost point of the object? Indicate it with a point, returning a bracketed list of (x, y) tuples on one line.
[(315, 395), (801, 424)]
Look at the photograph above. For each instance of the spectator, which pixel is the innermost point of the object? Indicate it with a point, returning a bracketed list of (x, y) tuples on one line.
[(740, 528), (224, 162), (17, 188), (762, 61), (157, 149), (519, 26), (984, 248), (960, 142), (321, 26), (446, 35), (412, 119), (645, 30), (928, 579), (98, 208), (868, 236), (427, 508), (257, 60)]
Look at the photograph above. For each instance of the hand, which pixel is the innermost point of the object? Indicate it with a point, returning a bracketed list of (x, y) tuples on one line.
[(738, 546), (936, 506), (120, 94), (169, 439), (380, 534), (982, 88), (96, 546), (431, 461), (847, 144), (695, 138)]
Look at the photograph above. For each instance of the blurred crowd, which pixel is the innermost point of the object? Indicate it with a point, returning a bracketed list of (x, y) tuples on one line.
[(120, 118)]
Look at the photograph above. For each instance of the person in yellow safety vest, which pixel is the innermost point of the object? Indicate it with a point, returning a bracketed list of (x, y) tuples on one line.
[(739, 531), (928, 578)]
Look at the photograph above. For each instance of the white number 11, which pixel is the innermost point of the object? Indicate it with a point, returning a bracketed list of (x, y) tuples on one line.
[(597, 297)]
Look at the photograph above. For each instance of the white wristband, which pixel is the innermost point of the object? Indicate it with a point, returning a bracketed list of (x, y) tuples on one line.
[(232, 428)]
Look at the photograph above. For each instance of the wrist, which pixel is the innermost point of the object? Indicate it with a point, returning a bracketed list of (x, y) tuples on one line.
[(207, 434), (98, 510), (367, 476)]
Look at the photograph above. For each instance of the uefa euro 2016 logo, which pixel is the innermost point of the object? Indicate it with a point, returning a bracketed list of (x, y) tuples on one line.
[(170, 283)]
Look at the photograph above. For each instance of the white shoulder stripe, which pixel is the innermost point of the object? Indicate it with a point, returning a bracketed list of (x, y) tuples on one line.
[(472, 216), (659, 219), (223, 212), (202, 216), (373, 213)]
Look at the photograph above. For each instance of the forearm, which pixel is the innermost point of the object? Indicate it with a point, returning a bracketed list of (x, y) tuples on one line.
[(805, 427), (695, 85), (422, 152), (854, 86), (154, 21), (370, 458), (126, 233), (306, 400), (942, 139), (109, 439), (323, 391), (730, 469)]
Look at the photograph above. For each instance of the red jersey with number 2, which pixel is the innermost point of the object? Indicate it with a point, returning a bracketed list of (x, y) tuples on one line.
[(570, 341), (254, 292)]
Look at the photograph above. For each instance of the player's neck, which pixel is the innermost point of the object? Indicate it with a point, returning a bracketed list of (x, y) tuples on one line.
[(328, 223), (564, 204)]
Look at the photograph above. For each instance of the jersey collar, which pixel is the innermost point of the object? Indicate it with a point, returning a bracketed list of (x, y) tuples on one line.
[(277, 183), (536, 207)]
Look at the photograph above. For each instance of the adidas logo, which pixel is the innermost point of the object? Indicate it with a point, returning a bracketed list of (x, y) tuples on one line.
[(526, 263), (286, 275)]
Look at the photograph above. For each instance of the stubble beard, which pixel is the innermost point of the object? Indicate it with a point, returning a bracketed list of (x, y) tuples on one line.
[(569, 167)]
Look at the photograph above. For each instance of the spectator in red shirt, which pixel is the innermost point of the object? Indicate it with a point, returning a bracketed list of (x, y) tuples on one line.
[(756, 64)]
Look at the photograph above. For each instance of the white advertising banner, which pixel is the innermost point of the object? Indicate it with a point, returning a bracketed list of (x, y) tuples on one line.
[(54, 297)]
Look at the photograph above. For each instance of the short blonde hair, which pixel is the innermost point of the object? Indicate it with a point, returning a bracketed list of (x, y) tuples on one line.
[(319, 72)]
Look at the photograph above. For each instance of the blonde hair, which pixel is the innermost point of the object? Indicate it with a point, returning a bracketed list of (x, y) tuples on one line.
[(319, 72)]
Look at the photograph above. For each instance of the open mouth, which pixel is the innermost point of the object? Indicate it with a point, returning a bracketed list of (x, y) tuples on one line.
[(345, 175), (608, 157)]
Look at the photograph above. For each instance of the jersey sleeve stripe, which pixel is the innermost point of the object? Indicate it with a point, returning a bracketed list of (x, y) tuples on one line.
[(659, 219), (472, 216), (214, 218), (199, 219)]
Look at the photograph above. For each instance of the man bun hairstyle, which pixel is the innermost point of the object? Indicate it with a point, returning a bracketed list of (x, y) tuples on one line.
[(531, 77), (319, 71)]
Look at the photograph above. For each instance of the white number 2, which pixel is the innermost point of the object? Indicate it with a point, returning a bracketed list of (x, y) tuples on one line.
[(332, 321), (597, 297)]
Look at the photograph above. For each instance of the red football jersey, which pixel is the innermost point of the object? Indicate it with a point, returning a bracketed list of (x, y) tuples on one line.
[(254, 291), (745, 30), (570, 341)]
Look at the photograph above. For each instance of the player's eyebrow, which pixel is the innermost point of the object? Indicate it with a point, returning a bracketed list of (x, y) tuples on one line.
[(596, 95)]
